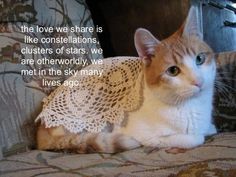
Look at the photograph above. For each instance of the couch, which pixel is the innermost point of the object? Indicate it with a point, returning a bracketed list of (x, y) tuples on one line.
[(216, 158), (21, 101)]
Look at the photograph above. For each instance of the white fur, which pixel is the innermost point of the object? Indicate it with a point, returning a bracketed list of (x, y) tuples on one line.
[(158, 123), (176, 113)]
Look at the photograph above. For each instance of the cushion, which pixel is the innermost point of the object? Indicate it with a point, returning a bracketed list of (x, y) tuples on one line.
[(21, 96), (45, 12), (225, 92), (217, 157)]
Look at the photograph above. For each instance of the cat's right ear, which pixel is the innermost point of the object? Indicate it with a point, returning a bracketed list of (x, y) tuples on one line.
[(145, 44)]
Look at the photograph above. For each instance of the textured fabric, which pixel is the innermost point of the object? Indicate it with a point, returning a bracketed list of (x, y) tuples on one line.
[(216, 158), (20, 97), (96, 100), (45, 12), (225, 95)]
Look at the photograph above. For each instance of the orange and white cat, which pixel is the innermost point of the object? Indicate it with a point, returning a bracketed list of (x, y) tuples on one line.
[(179, 74)]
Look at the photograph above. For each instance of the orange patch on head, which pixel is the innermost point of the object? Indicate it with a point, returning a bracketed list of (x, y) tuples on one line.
[(171, 52)]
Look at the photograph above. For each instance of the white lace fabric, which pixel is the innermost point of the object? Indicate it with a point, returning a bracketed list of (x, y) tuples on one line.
[(96, 100)]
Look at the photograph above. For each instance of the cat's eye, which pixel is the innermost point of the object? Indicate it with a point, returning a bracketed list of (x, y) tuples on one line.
[(173, 71), (200, 59)]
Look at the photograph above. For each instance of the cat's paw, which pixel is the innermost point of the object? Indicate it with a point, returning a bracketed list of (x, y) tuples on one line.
[(153, 143)]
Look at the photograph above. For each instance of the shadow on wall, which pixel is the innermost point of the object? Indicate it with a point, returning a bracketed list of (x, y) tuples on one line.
[(121, 18)]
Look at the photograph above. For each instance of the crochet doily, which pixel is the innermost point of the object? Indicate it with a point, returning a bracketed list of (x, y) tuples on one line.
[(96, 100)]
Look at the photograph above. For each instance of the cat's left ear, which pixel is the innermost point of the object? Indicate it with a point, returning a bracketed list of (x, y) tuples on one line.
[(145, 44), (192, 24)]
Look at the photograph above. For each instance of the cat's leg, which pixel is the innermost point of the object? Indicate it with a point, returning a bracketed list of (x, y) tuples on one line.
[(178, 141), (58, 138)]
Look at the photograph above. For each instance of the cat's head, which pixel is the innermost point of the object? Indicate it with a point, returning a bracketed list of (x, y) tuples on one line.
[(179, 67)]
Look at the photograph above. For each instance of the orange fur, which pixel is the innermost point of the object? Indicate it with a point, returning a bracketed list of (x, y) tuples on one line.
[(57, 138), (170, 52)]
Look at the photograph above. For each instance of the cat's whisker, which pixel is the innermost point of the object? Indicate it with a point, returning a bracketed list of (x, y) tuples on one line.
[(226, 78), (221, 83), (220, 88), (185, 94), (222, 91), (230, 89), (173, 99), (177, 99), (223, 72)]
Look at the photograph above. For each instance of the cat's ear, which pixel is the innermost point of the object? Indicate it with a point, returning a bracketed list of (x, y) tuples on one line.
[(192, 24), (145, 44)]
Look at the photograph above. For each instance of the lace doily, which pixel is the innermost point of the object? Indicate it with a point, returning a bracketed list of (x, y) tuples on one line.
[(96, 100)]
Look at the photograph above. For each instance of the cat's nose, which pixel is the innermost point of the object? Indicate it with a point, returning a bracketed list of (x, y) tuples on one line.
[(197, 83)]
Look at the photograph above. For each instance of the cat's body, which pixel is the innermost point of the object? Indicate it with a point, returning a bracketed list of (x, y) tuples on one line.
[(170, 125), (178, 88)]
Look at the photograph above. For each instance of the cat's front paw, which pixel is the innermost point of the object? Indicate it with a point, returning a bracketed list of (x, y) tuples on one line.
[(153, 145), (157, 143)]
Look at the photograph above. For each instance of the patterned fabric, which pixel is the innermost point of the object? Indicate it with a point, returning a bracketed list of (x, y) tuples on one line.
[(17, 11), (20, 97), (217, 157), (46, 12), (96, 100), (225, 95)]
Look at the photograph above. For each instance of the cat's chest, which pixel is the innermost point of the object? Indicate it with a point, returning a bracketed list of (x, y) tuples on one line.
[(163, 120), (184, 119)]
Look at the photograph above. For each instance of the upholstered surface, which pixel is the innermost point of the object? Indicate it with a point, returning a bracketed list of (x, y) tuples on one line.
[(21, 96), (217, 157), (225, 92)]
